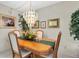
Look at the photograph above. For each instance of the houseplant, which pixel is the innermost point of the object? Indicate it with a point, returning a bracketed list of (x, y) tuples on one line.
[(26, 34), (23, 25), (74, 25)]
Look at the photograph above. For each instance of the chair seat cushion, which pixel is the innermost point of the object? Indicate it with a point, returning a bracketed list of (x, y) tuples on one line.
[(25, 53)]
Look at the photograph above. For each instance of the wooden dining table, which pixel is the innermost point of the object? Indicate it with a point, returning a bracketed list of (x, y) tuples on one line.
[(35, 47)]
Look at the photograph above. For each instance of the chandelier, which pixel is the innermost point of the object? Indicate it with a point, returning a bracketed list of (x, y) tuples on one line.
[(30, 16)]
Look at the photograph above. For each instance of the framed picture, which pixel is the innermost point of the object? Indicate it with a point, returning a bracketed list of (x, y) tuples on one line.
[(7, 21), (53, 23), (43, 24), (36, 25)]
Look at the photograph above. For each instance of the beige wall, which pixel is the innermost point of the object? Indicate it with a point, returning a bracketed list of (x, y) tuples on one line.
[(62, 10), (4, 41)]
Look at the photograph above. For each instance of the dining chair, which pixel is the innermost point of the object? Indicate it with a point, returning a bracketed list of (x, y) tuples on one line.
[(39, 34), (54, 50), (17, 32), (16, 50)]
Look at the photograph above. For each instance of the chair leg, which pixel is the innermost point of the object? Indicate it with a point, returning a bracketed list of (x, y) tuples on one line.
[(29, 56), (13, 55), (32, 55), (55, 55)]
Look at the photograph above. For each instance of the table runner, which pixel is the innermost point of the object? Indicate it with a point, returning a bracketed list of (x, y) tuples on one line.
[(42, 41), (47, 42)]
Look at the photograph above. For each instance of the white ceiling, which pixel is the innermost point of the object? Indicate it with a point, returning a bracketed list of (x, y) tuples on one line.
[(24, 5)]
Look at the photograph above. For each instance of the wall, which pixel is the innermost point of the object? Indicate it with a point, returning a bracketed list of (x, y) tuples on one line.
[(4, 41), (62, 10)]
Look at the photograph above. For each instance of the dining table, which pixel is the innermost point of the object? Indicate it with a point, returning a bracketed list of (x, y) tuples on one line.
[(37, 47)]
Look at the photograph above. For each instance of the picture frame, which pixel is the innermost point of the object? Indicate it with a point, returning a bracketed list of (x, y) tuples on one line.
[(43, 24), (53, 23), (36, 25), (7, 21)]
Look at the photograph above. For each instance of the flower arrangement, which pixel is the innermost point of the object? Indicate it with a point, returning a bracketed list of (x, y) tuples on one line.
[(30, 36)]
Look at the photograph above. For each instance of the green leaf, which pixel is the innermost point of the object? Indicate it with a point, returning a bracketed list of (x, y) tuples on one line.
[(23, 23)]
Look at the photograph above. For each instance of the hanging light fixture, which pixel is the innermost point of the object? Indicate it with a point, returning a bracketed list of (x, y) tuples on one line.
[(30, 16)]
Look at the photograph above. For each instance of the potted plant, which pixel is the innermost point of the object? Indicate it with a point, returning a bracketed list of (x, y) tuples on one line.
[(23, 25), (74, 25), (26, 34)]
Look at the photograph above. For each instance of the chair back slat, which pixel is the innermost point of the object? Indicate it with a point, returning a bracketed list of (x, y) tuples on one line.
[(57, 44)]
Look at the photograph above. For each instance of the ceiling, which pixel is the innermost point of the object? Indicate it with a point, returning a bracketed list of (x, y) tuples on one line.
[(25, 5)]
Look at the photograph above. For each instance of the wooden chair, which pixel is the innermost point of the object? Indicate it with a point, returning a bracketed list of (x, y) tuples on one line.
[(55, 50), (17, 32), (16, 51), (39, 34), (57, 45)]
